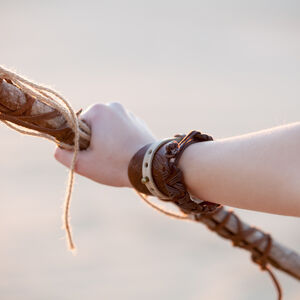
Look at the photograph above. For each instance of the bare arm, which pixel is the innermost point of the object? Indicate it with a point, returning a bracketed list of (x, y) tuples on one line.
[(258, 171)]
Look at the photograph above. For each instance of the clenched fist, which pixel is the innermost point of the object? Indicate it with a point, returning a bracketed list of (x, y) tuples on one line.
[(117, 134)]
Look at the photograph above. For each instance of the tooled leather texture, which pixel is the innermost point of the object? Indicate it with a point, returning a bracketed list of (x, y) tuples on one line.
[(135, 168), (169, 178), (166, 174)]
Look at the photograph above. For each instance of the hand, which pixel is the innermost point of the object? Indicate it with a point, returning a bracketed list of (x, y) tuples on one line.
[(117, 134)]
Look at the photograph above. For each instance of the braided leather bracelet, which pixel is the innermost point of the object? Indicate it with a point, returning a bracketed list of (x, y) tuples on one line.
[(153, 170)]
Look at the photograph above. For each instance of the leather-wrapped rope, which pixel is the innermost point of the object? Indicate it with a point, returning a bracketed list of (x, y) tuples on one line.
[(41, 118)]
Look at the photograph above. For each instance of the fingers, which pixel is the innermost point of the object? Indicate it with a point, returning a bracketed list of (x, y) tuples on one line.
[(101, 110), (65, 157), (117, 106), (93, 112)]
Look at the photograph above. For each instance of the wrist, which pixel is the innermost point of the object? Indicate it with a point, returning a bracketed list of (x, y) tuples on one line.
[(196, 166), (166, 179)]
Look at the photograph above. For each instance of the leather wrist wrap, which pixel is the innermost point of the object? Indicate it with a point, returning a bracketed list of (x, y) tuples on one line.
[(167, 176), (135, 170)]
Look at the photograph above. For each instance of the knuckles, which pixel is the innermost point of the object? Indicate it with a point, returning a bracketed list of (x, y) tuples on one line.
[(100, 111), (98, 108), (94, 112), (116, 105)]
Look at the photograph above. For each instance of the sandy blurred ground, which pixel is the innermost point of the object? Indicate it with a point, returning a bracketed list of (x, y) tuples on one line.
[(223, 67)]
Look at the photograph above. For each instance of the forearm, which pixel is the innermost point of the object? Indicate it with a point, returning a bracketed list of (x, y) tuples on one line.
[(258, 171)]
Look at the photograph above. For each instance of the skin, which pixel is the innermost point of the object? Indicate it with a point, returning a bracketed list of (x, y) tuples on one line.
[(116, 135), (257, 171)]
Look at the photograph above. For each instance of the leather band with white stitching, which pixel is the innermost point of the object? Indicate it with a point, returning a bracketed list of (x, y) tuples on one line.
[(147, 168)]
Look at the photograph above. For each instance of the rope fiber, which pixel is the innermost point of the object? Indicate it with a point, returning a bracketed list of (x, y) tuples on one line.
[(60, 104)]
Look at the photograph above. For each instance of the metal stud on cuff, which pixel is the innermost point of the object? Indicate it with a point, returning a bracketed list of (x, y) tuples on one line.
[(147, 178)]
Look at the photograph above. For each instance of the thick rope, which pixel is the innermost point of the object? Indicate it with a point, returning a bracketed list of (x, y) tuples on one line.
[(236, 239), (80, 129)]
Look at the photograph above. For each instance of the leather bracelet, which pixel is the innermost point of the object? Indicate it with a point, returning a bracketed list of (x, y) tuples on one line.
[(135, 174), (147, 178), (135, 171), (167, 178), (170, 180)]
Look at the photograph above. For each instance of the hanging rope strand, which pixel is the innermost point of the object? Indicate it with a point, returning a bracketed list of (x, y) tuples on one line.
[(56, 101)]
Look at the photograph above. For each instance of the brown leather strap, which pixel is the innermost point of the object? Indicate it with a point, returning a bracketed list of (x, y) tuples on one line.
[(169, 178), (239, 240), (166, 174), (135, 170), (22, 116)]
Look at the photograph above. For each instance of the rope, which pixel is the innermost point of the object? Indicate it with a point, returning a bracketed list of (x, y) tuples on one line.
[(80, 129), (238, 239), (162, 210)]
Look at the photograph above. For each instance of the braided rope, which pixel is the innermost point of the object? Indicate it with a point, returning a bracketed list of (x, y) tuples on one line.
[(80, 129)]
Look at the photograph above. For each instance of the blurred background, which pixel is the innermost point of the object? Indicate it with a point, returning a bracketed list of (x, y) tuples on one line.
[(222, 67)]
